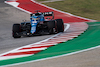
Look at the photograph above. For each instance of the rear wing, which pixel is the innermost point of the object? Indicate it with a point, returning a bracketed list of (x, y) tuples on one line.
[(48, 14), (44, 13)]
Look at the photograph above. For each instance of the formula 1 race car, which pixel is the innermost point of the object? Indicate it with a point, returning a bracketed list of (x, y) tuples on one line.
[(39, 24)]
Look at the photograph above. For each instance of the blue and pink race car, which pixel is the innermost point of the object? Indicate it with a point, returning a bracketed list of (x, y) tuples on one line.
[(40, 23)]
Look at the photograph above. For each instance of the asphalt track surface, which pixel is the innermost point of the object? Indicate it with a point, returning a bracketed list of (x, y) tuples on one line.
[(10, 15)]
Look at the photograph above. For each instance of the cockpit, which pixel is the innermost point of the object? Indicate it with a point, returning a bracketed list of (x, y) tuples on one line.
[(37, 17)]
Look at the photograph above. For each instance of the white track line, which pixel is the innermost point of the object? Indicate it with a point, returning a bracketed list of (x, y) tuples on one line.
[(62, 11), (17, 56), (67, 26), (17, 7), (31, 45), (48, 38), (35, 49), (55, 56), (15, 4)]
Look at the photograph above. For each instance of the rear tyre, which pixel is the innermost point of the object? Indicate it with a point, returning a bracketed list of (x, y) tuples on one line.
[(59, 25), (16, 30), (51, 25)]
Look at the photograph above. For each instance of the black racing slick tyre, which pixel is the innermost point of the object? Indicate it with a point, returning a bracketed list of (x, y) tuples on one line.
[(16, 30), (59, 25), (51, 25)]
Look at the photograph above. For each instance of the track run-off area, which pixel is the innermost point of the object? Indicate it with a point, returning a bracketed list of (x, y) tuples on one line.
[(85, 38)]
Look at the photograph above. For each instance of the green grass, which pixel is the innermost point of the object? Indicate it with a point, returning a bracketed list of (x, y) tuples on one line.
[(84, 8)]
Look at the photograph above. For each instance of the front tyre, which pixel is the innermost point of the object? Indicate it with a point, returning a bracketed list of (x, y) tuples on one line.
[(16, 30)]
